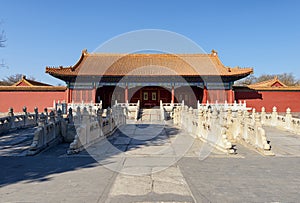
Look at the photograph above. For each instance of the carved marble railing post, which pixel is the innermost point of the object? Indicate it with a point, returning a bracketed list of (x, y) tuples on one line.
[(52, 117), (198, 104), (186, 120), (25, 115), (261, 139), (229, 114), (137, 110), (90, 110), (217, 131), (224, 141), (274, 117), (108, 116), (77, 121), (59, 114), (42, 120), (235, 104), (181, 116), (214, 117), (288, 118), (256, 126), (12, 117), (253, 115), (36, 114), (200, 121), (178, 115), (70, 116), (39, 138), (85, 125), (181, 122), (245, 104), (99, 117), (175, 117), (238, 126), (245, 124), (225, 104), (263, 115), (63, 124), (46, 114), (195, 122), (190, 119), (120, 115)]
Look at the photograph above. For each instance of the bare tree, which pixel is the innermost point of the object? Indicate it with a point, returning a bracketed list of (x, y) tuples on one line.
[(247, 81), (287, 78), (264, 77)]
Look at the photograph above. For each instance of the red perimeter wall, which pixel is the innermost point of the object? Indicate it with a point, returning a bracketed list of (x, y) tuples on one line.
[(30, 99), (268, 99)]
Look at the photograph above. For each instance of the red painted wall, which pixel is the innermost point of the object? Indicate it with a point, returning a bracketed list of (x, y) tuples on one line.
[(19, 99), (268, 99), (219, 95)]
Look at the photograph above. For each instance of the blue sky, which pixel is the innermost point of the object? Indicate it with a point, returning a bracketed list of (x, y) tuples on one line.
[(261, 34)]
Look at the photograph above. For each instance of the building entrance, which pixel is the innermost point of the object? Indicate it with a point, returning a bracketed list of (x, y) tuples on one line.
[(149, 98)]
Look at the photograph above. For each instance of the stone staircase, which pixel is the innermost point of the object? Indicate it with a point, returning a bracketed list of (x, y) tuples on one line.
[(149, 115)]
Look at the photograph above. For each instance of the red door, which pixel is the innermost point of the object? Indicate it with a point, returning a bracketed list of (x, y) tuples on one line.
[(149, 98)]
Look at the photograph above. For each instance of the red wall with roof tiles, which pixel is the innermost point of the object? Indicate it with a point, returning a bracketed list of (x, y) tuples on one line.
[(19, 99), (281, 99)]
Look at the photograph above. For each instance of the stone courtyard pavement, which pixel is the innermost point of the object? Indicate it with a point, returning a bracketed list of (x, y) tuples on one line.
[(154, 163)]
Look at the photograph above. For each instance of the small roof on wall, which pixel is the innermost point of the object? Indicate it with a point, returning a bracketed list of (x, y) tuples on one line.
[(190, 65), (25, 84), (272, 84)]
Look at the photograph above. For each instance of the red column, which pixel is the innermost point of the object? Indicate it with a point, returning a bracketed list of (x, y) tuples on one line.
[(204, 99), (173, 94), (94, 94), (230, 96), (126, 93), (68, 95)]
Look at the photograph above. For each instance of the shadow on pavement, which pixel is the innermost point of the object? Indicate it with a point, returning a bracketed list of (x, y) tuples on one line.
[(55, 161)]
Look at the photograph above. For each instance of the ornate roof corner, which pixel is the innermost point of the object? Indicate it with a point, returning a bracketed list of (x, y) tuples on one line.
[(84, 51), (214, 52)]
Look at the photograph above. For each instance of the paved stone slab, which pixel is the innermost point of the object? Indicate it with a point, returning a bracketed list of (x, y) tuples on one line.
[(16, 143), (165, 185), (252, 179), (284, 144), (170, 181), (122, 141), (49, 177), (131, 185)]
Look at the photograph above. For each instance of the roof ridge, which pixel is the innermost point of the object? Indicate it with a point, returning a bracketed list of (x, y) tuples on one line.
[(147, 54)]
